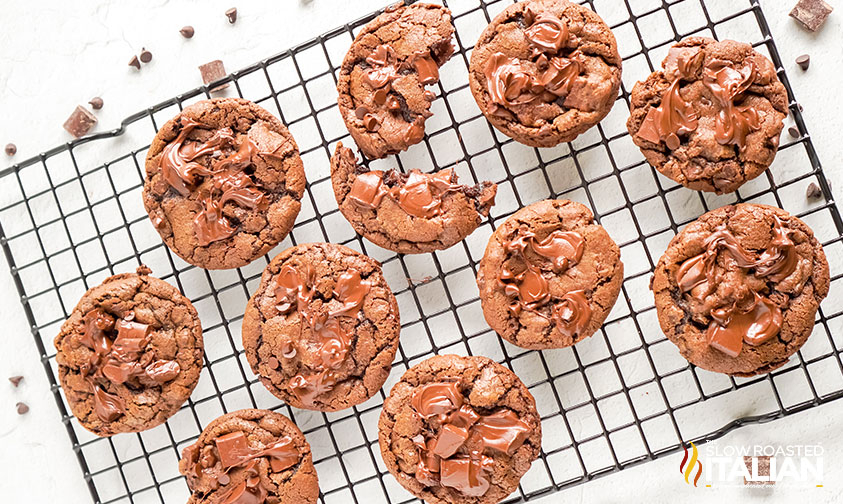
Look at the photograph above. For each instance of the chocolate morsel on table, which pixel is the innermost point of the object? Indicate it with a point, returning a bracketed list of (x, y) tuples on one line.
[(213, 71), (96, 103), (187, 32), (11, 149), (80, 122), (135, 62), (811, 13)]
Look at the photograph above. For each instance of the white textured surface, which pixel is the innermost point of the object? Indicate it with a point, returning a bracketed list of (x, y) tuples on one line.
[(62, 53)]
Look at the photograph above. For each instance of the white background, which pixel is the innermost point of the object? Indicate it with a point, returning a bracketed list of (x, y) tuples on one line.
[(56, 54)]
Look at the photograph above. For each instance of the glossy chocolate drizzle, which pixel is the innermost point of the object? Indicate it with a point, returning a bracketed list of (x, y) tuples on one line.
[(231, 452), (420, 195), (728, 85), (527, 288), (547, 76), (229, 183), (674, 117), (294, 291), (455, 452), (384, 67), (120, 357), (754, 318)]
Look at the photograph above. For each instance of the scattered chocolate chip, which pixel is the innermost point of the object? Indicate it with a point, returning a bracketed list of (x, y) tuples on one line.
[(793, 131), (799, 106), (96, 103), (212, 71), (135, 62), (11, 149), (223, 479), (811, 13), (16, 380), (187, 32), (813, 191), (145, 56), (371, 123), (803, 61), (80, 121), (23, 409), (231, 14)]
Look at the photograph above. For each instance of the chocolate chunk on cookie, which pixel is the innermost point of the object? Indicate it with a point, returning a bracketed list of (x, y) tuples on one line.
[(550, 276), (408, 213), (223, 183), (737, 289), (544, 71), (711, 118), (250, 456), (322, 329), (382, 96), (130, 354), (459, 430)]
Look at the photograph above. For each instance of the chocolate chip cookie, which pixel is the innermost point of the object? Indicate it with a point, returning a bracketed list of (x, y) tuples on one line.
[(382, 95), (250, 456), (130, 354), (459, 430), (322, 329), (711, 118), (408, 213), (544, 71), (549, 276), (223, 183), (737, 290)]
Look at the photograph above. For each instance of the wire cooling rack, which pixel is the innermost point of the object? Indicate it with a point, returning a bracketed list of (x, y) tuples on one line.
[(73, 215)]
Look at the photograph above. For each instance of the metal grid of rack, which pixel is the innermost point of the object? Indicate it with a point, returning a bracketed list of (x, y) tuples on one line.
[(73, 216)]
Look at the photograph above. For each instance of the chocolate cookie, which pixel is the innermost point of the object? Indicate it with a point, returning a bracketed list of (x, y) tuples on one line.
[(408, 213), (710, 120), (737, 290), (322, 329), (250, 456), (544, 71), (223, 183), (382, 81), (130, 354), (459, 430), (549, 276)]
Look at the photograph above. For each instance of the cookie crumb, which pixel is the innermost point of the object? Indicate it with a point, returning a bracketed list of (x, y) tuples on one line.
[(143, 269)]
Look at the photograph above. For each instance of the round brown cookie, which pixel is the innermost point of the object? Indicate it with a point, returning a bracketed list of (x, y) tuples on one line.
[(459, 430), (710, 120), (223, 183), (322, 329), (737, 289), (250, 455), (130, 354), (409, 214), (550, 275), (382, 96), (544, 71)]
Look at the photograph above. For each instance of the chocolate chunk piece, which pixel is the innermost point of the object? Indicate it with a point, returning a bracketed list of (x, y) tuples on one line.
[(96, 103), (811, 13), (803, 61), (11, 149), (145, 56), (23, 409), (80, 122), (16, 380), (231, 14), (213, 71), (135, 62), (187, 32), (813, 191)]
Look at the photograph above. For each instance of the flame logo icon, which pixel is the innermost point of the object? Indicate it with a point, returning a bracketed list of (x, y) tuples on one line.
[(686, 467)]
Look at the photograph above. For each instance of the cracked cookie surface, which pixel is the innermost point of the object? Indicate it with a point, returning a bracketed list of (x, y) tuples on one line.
[(223, 183), (322, 329), (711, 118), (550, 275), (738, 289), (488, 410), (381, 86), (250, 455), (545, 71), (130, 354), (408, 213)]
